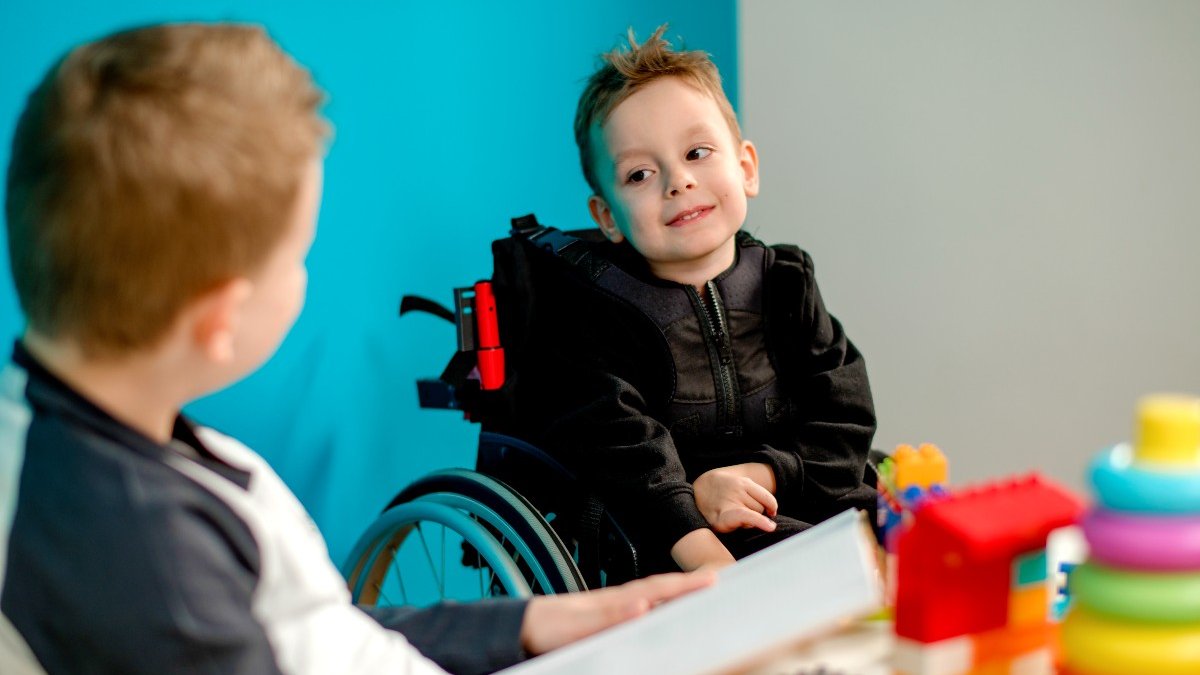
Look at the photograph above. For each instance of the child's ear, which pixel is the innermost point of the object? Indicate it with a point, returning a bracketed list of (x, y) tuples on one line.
[(749, 162), (217, 315), (602, 214)]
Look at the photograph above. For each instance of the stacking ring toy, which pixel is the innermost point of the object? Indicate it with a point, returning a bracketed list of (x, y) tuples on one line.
[(1097, 646), (1152, 597), (1122, 485), (1143, 542)]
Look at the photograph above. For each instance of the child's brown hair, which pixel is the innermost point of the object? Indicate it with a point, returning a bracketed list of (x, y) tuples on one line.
[(148, 167), (627, 70)]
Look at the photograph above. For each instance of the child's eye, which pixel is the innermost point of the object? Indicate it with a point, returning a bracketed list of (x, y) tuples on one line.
[(699, 153), (638, 176)]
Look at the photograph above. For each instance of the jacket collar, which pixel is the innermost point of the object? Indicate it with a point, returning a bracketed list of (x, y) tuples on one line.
[(624, 256), (47, 391)]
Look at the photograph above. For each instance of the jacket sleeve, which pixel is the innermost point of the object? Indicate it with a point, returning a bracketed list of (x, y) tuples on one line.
[(597, 422), (819, 457), (175, 588), (464, 639)]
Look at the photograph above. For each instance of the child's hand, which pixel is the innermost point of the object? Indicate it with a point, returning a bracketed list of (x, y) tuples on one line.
[(729, 499), (552, 621)]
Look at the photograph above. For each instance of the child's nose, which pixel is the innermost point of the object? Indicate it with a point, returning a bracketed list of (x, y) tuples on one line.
[(679, 182)]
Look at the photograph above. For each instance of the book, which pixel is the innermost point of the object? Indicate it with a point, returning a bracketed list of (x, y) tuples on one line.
[(805, 586)]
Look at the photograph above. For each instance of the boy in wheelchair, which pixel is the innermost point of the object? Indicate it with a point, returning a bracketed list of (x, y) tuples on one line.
[(688, 374)]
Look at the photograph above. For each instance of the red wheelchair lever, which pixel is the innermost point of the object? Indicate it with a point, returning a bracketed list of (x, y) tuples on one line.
[(488, 352)]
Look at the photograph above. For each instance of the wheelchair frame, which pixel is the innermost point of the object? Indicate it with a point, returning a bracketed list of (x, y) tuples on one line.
[(561, 542)]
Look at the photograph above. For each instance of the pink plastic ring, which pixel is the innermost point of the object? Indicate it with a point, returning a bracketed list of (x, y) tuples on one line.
[(1158, 542)]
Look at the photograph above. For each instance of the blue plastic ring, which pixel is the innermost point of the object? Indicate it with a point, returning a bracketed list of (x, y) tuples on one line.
[(1122, 485)]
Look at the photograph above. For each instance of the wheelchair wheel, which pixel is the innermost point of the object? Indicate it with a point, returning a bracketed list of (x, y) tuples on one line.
[(410, 555), (511, 518), (402, 559), (598, 545)]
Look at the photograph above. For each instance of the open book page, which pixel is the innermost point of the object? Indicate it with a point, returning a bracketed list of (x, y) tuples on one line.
[(801, 587)]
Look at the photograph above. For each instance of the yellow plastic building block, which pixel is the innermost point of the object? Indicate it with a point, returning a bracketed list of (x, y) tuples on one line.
[(1168, 430), (1028, 607), (923, 466)]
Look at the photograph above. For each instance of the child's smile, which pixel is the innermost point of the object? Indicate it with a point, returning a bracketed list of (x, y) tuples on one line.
[(689, 215)]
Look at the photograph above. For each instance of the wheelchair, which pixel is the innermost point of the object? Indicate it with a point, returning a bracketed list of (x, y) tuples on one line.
[(519, 523), (472, 534)]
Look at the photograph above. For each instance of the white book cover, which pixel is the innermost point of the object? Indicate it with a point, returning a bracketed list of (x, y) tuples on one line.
[(802, 587)]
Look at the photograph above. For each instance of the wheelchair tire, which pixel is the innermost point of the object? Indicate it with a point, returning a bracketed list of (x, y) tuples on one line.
[(375, 553), (500, 533), (506, 511)]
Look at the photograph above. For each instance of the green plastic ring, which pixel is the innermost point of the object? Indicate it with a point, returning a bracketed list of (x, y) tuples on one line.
[(1149, 597)]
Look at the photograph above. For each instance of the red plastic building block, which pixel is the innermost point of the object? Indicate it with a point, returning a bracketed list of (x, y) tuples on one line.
[(954, 573)]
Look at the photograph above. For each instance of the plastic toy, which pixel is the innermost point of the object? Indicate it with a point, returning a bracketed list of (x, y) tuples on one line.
[(1140, 542), (1138, 596), (1122, 484), (1137, 602), (1097, 646), (972, 584), (906, 479), (924, 467)]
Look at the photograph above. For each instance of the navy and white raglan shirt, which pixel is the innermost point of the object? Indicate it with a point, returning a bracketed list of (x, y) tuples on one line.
[(122, 555)]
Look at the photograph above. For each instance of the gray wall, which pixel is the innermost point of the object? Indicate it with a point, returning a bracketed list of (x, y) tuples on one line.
[(1002, 201)]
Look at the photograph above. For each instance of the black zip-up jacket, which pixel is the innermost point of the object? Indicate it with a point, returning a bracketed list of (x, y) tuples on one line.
[(639, 385)]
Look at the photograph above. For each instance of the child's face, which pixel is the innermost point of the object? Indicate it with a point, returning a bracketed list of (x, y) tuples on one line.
[(278, 288), (674, 181)]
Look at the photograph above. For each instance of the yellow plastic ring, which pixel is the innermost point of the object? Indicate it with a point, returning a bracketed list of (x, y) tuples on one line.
[(1093, 645)]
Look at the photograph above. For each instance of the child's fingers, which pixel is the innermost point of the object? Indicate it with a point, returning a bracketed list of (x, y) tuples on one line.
[(763, 497), (747, 500), (744, 517), (637, 597), (668, 586), (764, 523), (757, 498)]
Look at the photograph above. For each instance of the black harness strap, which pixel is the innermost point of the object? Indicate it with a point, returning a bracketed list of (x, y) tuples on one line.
[(549, 239)]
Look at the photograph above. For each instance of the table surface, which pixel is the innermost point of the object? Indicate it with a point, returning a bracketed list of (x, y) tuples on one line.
[(859, 648)]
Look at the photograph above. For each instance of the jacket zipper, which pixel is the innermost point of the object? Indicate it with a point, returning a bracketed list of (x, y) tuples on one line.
[(717, 337)]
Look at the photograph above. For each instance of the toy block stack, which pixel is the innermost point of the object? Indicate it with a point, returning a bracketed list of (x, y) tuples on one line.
[(972, 591), (1136, 601), (908, 477)]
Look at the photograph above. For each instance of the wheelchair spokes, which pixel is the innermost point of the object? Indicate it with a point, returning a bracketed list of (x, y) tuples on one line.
[(395, 561), (440, 580), (506, 547)]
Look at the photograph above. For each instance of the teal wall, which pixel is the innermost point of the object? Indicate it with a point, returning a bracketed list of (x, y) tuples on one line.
[(450, 118)]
